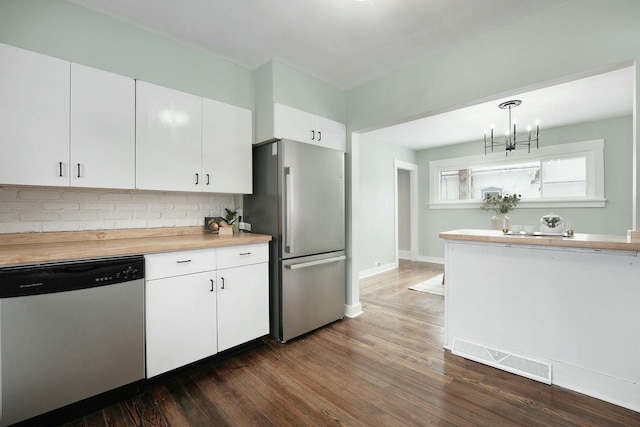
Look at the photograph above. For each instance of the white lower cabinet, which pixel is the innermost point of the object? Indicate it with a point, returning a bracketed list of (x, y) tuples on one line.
[(180, 309), (181, 321), (200, 302), (243, 312)]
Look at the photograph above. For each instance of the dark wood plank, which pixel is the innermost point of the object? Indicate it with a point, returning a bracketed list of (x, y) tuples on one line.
[(384, 368)]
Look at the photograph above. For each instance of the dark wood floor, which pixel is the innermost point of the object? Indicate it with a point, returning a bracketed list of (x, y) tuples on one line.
[(384, 368)]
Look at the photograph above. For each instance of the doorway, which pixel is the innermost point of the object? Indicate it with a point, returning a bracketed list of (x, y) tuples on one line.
[(406, 210)]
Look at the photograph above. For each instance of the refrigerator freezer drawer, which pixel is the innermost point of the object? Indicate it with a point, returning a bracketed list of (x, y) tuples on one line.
[(313, 293)]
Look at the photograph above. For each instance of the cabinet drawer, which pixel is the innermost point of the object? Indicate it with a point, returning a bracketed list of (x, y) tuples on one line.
[(179, 263), (236, 256)]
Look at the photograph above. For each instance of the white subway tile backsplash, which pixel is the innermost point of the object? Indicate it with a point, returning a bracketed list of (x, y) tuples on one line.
[(117, 215), (146, 215), (8, 216), (39, 194), (19, 206), (173, 199), (97, 206), (80, 195), (60, 206), (8, 194), (78, 216), (39, 209), (116, 197), (38, 216), (131, 206), (131, 224)]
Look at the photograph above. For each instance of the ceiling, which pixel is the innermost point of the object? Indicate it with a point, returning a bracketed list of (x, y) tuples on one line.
[(347, 43), (342, 42)]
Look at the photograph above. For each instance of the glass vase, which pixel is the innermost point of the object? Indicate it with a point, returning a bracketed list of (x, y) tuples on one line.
[(499, 222)]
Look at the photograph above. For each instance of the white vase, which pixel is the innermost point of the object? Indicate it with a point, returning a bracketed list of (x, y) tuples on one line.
[(499, 222)]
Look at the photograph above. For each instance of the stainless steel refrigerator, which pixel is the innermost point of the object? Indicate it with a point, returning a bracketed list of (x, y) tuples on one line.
[(299, 199)]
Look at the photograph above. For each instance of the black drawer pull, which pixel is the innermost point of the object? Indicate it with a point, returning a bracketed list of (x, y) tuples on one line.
[(183, 261)]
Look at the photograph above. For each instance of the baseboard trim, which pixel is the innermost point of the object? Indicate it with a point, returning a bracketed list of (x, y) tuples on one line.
[(352, 311), (377, 270), (435, 260)]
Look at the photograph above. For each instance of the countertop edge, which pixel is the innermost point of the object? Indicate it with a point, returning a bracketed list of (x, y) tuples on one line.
[(579, 240), (49, 251)]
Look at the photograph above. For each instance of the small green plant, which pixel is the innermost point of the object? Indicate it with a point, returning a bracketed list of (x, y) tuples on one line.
[(500, 204), (230, 215)]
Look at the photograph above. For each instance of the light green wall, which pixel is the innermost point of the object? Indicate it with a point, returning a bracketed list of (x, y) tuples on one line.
[(62, 29), (377, 210), (298, 90), (615, 218), (278, 82)]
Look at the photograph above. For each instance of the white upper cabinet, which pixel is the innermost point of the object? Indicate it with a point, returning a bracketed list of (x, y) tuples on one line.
[(227, 133), (102, 129), (301, 126), (188, 143), (168, 139), (34, 106)]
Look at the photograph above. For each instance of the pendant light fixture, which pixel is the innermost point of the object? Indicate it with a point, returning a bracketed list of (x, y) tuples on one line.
[(511, 141)]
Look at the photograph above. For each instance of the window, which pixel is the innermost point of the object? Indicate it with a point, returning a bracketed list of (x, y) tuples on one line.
[(560, 175)]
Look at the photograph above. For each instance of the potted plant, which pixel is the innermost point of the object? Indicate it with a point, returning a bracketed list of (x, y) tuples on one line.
[(501, 205)]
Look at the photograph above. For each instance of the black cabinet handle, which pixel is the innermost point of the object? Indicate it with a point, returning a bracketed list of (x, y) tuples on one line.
[(211, 284), (319, 136), (60, 166), (207, 179), (222, 278), (313, 135), (78, 170), (183, 261), (197, 178)]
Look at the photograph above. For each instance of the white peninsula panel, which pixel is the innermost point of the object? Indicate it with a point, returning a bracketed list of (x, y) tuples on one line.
[(524, 306)]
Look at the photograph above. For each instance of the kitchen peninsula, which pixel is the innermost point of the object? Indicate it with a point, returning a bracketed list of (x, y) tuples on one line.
[(561, 310)]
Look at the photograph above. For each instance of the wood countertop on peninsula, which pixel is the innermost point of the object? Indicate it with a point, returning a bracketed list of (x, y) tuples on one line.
[(25, 248), (579, 240)]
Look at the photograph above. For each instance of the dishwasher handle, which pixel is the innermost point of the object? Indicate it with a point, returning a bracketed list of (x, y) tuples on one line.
[(316, 262)]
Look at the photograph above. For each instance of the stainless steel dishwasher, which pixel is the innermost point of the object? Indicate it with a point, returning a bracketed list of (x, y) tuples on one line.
[(68, 331)]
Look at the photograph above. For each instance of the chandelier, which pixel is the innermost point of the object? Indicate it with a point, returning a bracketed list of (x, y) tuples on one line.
[(511, 141)]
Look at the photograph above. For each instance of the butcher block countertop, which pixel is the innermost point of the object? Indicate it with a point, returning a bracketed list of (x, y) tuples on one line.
[(28, 248), (584, 241)]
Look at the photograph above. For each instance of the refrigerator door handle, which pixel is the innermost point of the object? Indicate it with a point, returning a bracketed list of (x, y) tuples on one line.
[(317, 262), (289, 203)]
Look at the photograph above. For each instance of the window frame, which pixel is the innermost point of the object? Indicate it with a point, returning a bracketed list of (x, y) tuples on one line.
[(593, 150)]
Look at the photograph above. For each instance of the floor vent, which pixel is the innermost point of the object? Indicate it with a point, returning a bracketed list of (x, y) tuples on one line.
[(521, 365)]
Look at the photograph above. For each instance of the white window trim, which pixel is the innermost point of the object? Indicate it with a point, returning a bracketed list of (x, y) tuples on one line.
[(593, 150)]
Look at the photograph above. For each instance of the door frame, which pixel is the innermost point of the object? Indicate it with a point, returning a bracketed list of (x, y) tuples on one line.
[(412, 168)]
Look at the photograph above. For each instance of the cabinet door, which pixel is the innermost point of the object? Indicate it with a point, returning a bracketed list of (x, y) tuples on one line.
[(168, 139), (34, 106), (180, 321), (226, 148), (331, 134), (102, 129), (243, 304), (293, 124)]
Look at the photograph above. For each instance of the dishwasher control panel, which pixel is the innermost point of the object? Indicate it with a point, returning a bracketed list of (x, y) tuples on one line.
[(47, 278)]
